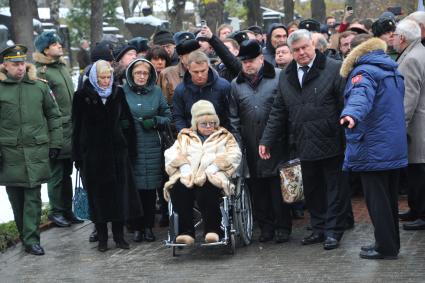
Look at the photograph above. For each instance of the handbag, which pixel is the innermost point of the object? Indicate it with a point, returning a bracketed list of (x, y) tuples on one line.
[(291, 181), (80, 201), (167, 137)]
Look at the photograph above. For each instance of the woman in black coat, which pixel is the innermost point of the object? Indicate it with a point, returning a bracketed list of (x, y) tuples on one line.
[(103, 135)]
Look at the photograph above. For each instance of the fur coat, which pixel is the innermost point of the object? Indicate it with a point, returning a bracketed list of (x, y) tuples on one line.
[(220, 148)]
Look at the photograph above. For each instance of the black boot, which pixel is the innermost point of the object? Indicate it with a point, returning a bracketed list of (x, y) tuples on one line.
[(102, 235), (118, 234), (93, 236), (149, 236)]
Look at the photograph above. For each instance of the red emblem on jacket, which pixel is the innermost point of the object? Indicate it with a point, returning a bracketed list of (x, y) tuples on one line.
[(356, 79)]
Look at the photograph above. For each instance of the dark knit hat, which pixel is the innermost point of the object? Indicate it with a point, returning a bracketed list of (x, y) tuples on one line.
[(120, 51), (185, 42), (249, 49), (45, 39), (163, 37), (139, 43), (239, 36), (382, 26), (102, 51), (255, 29), (310, 25)]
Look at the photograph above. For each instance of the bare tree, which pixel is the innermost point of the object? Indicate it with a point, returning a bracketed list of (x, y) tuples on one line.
[(318, 10), (22, 26), (213, 13), (96, 20), (254, 16), (176, 15), (54, 11), (289, 10), (126, 8)]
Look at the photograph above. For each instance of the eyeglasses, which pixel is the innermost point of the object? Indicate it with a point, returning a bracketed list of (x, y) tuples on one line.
[(140, 74), (207, 124)]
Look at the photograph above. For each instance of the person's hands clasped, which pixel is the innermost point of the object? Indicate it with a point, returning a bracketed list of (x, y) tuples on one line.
[(185, 170), (148, 124), (212, 169)]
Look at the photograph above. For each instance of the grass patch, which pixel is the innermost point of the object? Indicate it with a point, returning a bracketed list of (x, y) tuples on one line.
[(9, 235)]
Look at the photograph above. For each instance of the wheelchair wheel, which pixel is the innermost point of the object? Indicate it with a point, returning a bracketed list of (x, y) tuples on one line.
[(242, 213)]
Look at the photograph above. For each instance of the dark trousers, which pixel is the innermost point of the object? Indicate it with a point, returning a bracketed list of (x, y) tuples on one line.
[(208, 199), (59, 187), (381, 195), (26, 206), (324, 194), (416, 192), (148, 199), (270, 211), (117, 231), (352, 183)]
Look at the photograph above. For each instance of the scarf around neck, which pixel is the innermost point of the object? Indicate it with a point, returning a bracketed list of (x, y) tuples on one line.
[(103, 92)]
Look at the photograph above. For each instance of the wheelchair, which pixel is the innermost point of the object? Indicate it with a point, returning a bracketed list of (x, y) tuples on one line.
[(236, 220)]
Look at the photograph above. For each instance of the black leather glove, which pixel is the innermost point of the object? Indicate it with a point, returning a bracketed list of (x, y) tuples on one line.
[(54, 153)]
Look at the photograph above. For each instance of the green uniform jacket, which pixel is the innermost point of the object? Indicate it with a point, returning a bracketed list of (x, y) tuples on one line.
[(30, 124), (59, 79)]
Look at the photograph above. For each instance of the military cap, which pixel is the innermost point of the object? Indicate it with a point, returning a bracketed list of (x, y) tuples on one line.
[(239, 36), (310, 25), (382, 26), (185, 42), (45, 39), (249, 49), (15, 53)]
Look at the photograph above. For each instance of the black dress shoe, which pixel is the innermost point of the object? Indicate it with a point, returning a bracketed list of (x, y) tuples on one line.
[(265, 237), (138, 236), (281, 236), (330, 243), (122, 244), (366, 248), (314, 238), (149, 236), (93, 237), (407, 216), (73, 219), (418, 224), (372, 254), (59, 220), (102, 246), (35, 249)]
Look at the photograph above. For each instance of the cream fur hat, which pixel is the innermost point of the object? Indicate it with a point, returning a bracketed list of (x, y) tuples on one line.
[(203, 108)]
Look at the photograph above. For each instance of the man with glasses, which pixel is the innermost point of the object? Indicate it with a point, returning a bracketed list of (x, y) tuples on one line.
[(200, 82), (252, 94), (164, 38)]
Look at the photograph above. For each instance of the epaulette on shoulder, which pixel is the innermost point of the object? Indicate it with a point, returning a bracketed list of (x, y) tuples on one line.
[(42, 80)]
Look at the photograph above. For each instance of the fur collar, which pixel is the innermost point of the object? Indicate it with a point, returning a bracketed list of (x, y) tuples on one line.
[(43, 59), (268, 72), (362, 49), (31, 73)]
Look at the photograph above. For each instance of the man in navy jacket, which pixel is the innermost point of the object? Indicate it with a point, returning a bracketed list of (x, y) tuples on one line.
[(375, 137)]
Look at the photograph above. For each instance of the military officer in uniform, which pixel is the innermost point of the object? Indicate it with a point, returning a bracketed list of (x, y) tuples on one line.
[(30, 132), (51, 66)]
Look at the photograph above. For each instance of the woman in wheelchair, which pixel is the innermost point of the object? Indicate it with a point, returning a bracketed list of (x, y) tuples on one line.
[(200, 165)]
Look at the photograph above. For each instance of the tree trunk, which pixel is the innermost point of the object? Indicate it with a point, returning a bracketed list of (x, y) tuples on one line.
[(126, 8), (213, 13), (289, 11), (318, 10), (96, 20), (54, 11), (34, 9), (254, 15), (176, 15), (22, 27)]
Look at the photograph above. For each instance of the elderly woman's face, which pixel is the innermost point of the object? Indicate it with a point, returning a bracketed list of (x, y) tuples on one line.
[(206, 125), (141, 74), (104, 79)]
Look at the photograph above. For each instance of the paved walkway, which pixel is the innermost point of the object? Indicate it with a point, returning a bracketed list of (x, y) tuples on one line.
[(71, 258)]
